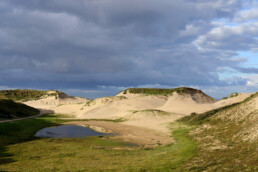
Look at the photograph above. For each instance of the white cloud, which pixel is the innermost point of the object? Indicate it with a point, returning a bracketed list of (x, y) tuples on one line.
[(252, 81)]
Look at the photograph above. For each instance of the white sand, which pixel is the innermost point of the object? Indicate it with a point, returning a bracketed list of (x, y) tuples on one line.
[(124, 106)]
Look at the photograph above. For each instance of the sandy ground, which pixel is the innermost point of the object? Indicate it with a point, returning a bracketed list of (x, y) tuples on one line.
[(147, 117), (131, 134)]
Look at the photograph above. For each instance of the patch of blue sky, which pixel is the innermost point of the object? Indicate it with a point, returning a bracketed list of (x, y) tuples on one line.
[(251, 62), (229, 73), (247, 8), (252, 58), (250, 21)]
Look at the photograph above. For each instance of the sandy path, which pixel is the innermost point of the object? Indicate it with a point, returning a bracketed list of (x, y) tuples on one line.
[(132, 134)]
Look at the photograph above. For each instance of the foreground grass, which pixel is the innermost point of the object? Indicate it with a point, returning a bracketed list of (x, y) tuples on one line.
[(220, 149), (22, 152)]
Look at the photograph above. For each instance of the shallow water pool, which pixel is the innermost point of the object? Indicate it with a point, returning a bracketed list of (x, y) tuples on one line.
[(68, 131)]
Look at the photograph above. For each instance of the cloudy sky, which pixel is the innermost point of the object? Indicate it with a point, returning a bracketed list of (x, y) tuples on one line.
[(97, 48)]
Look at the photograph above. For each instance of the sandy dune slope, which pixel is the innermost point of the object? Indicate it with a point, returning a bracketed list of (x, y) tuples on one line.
[(246, 116), (54, 99), (152, 112)]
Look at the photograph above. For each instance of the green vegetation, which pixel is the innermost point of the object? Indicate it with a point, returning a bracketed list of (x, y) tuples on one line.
[(220, 149), (20, 151), (105, 100), (159, 91), (109, 120), (217, 148), (90, 102), (21, 95), (10, 109), (19, 131), (220, 146), (196, 118), (154, 111), (231, 96)]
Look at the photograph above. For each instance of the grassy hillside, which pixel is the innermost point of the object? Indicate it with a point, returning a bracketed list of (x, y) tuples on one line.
[(227, 138), (159, 91), (196, 118), (10, 109), (21, 151), (21, 95)]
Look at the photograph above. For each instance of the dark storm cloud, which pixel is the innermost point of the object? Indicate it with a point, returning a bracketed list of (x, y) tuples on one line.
[(86, 44)]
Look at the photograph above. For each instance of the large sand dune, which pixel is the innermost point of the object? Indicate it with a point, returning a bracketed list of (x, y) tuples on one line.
[(54, 99), (149, 111)]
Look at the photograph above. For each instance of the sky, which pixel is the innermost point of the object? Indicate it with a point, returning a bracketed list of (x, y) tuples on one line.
[(95, 48)]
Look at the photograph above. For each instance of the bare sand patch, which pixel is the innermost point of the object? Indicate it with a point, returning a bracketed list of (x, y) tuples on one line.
[(132, 134)]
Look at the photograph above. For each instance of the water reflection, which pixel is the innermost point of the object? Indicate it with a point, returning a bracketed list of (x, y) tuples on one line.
[(68, 131)]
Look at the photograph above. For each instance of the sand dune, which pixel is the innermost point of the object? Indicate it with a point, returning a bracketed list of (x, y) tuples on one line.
[(54, 99), (137, 109), (246, 116)]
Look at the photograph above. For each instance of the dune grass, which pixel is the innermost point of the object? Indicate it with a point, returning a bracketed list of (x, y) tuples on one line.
[(220, 146), (160, 91), (196, 119), (155, 112), (23, 152), (21, 95), (230, 96)]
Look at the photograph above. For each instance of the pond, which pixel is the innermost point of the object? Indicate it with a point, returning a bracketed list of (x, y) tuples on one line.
[(68, 131)]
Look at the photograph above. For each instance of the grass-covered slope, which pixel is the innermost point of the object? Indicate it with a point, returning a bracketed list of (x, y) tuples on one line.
[(160, 91), (196, 118), (197, 95), (10, 110), (21, 95), (227, 138)]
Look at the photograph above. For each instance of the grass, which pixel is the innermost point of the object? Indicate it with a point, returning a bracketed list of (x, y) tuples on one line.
[(21, 95), (18, 131), (220, 146), (197, 119), (221, 150), (23, 152), (104, 100), (109, 120), (90, 102), (154, 111), (231, 96), (10, 109), (159, 91)]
